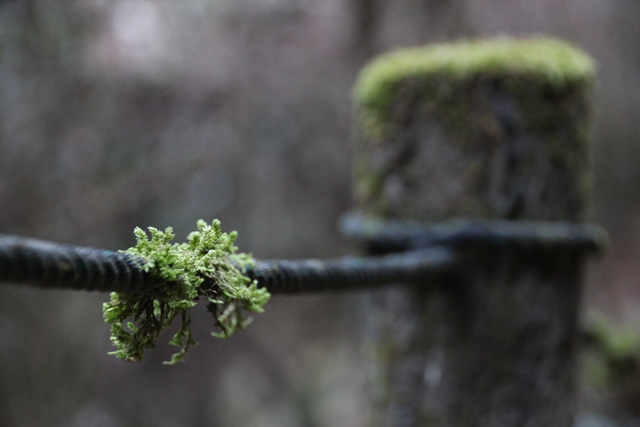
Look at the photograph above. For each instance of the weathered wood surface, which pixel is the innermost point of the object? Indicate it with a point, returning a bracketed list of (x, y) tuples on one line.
[(491, 129)]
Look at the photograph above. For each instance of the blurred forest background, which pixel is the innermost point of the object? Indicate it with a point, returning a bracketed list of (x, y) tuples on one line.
[(124, 113)]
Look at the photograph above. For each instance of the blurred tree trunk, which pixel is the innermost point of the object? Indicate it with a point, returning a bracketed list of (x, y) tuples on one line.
[(438, 19), (366, 14)]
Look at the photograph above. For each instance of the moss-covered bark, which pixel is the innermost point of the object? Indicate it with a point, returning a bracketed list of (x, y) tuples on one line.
[(490, 129)]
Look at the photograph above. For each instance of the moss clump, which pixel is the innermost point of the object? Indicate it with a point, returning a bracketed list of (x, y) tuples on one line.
[(613, 356), (208, 266)]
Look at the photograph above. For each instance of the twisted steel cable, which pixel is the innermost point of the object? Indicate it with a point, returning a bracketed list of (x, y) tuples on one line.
[(288, 276), (54, 265), (413, 252)]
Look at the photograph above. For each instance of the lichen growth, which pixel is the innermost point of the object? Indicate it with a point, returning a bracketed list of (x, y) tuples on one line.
[(207, 266)]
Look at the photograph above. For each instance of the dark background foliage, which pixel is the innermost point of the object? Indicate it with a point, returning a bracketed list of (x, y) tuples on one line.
[(123, 113)]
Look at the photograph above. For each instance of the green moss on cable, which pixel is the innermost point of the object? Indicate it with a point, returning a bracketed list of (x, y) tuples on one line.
[(206, 266)]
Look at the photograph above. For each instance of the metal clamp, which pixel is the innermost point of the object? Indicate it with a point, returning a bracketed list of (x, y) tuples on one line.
[(384, 236)]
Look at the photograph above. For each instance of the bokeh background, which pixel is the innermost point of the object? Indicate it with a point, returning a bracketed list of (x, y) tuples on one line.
[(124, 113)]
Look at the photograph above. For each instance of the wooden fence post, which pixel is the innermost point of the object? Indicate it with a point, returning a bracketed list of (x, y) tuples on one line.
[(485, 129)]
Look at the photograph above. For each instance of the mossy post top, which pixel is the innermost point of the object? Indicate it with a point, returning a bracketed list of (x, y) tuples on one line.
[(486, 128), (541, 58)]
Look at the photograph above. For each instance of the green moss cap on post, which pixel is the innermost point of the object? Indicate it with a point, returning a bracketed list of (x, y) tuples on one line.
[(476, 94), (557, 62)]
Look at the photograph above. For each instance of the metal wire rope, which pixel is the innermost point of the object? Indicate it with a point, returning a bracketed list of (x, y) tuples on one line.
[(53, 265), (412, 252)]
